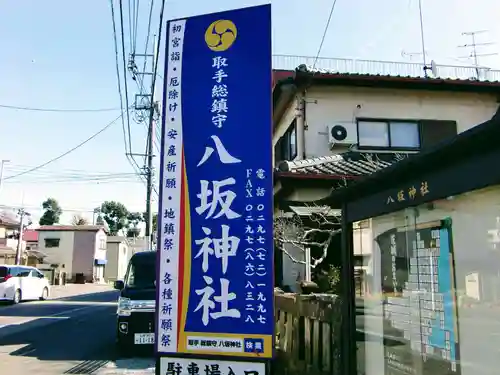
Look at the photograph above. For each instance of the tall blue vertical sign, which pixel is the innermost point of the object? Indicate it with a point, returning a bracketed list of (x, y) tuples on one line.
[(215, 250)]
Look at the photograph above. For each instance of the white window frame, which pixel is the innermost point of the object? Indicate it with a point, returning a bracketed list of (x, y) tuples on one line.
[(388, 143)]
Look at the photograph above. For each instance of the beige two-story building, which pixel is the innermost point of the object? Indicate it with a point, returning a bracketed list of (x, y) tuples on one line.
[(332, 128), (77, 250)]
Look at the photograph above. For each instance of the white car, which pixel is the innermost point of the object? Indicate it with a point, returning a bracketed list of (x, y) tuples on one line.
[(22, 283)]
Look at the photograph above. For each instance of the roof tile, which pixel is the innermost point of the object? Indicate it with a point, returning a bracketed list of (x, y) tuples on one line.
[(352, 164)]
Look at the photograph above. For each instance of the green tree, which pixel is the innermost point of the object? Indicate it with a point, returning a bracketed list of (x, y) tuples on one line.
[(51, 212), (134, 218), (115, 214)]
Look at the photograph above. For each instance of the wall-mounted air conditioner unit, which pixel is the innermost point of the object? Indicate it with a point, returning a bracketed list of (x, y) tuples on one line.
[(342, 134)]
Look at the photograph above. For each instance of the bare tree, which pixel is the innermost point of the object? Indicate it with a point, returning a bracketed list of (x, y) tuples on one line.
[(316, 231), (79, 220)]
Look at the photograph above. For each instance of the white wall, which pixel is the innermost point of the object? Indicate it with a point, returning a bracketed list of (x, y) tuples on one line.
[(125, 253), (118, 255), (330, 105), (98, 252)]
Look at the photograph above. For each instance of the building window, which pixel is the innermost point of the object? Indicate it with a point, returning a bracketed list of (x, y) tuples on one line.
[(52, 242), (388, 134), (404, 135), (286, 147), (102, 244)]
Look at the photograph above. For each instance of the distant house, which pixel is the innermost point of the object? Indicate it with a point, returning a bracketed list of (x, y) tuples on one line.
[(9, 238), (30, 236), (118, 255), (77, 250), (9, 230)]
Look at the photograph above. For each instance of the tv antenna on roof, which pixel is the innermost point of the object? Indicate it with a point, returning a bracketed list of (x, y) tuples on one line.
[(411, 55), (473, 48)]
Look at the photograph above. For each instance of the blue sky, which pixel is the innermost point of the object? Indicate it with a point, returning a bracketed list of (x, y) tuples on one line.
[(60, 54)]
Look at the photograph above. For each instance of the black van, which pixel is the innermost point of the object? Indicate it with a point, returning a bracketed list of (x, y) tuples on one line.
[(136, 304)]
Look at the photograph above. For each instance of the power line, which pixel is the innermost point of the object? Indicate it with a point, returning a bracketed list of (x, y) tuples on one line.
[(325, 32), (58, 109), (128, 150), (118, 75), (12, 166), (125, 75), (129, 155), (148, 35), (81, 181), (160, 28), (51, 177), (67, 152), (130, 26), (136, 22), (83, 210), (40, 208)]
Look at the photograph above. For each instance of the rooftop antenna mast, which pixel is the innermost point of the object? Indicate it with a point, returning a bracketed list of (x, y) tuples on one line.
[(422, 38), (473, 47)]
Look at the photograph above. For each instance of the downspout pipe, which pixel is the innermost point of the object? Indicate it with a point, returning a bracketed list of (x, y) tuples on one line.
[(301, 126)]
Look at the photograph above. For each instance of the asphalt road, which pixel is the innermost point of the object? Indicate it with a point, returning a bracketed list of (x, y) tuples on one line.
[(72, 335)]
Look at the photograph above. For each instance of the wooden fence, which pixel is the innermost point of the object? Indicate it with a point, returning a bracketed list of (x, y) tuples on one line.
[(307, 334)]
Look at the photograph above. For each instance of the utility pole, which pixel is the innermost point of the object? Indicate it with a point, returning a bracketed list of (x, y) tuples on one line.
[(145, 102), (22, 213), (2, 166), (150, 180), (473, 46), (150, 154)]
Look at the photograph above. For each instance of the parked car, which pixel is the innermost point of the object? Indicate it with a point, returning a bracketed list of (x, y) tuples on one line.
[(22, 283), (136, 304)]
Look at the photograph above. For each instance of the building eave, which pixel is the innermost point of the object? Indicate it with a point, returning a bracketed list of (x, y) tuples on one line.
[(304, 75), (288, 83)]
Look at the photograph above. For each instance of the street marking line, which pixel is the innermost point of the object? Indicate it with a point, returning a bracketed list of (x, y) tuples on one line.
[(73, 310)]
